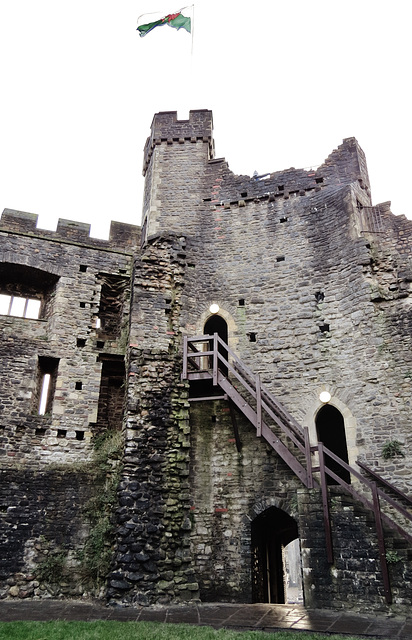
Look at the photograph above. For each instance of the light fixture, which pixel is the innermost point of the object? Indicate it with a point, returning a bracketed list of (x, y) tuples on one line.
[(324, 396), (214, 308)]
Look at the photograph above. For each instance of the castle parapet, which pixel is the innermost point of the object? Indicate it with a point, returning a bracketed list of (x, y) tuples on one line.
[(167, 128), (122, 236)]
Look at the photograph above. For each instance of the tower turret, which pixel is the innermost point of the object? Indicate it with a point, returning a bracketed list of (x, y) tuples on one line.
[(175, 157)]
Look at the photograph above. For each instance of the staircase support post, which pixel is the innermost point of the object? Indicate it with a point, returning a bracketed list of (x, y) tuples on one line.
[(308, 455), (258, 407), (381, 544), (184, 374), (325, 503), (215, 359)]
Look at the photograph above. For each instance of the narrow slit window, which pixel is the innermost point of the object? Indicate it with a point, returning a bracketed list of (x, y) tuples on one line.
[(46, 384), (44, 394)]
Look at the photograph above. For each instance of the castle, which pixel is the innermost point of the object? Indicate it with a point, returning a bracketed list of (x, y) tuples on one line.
[(215, 406)]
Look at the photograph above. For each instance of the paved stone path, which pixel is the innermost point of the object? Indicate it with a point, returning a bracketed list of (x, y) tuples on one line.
[(258, 617)]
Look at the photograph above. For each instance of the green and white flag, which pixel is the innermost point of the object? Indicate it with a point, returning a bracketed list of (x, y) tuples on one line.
[(175, 20)]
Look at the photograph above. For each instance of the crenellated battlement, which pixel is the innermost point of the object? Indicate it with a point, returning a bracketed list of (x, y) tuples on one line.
[(168, 129), (122, 236)]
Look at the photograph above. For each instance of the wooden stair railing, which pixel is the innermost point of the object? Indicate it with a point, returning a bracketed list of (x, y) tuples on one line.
[(266, 403), (374, 503)]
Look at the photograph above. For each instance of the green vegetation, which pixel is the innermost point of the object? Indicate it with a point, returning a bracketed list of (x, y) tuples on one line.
[(51, 569), (96, 554), (111, 630), (392, 449), (392, 557)]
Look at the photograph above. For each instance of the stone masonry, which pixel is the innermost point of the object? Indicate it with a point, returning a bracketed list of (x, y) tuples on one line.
[(313, 284)]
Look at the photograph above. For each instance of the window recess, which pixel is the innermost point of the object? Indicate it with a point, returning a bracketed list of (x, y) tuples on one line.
[(46, 384)]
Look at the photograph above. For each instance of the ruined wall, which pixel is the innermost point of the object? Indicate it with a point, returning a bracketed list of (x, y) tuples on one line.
[(153, 561), (53, 462), (68, 272)]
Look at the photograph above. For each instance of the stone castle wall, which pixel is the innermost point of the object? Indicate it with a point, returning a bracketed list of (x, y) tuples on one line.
[(314, 284)]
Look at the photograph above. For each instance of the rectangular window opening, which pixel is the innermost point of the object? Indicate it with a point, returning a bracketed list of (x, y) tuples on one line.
[(79, 386), (44, 394), (241, 302), (46, 384), (280, 259), (19, 307), (79, 435), (83, 268)]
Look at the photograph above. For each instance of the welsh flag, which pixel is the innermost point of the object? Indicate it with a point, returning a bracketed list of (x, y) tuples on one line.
[(175, 20)]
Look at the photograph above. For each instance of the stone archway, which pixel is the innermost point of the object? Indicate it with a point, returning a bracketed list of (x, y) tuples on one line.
[(276, 568)]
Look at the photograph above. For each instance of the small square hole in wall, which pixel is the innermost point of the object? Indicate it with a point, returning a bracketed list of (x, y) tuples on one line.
[(82, 305), (281, 187), (319, 180), (244, 194), (320, 296), (252, 336), (61, 433), (241, 302), (79, 435), (100, 344), (40, 432), (213, 418), (280, 259), (283, 220), (79, 386), (83, 268), (81, 342), (122, 271), (324, 327)]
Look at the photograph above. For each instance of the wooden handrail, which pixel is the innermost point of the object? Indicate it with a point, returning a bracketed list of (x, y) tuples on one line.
[(387, 484), (265, 402)]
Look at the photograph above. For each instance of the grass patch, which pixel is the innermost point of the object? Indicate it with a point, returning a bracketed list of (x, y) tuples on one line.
[(111, 630)]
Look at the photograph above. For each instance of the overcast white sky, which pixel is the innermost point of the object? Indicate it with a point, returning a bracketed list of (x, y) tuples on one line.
[(286, 81)]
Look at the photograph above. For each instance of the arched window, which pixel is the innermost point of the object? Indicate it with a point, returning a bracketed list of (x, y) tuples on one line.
[(330, 427)]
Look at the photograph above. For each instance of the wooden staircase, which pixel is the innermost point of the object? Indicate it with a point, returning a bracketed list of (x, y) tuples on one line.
[(209, 358)]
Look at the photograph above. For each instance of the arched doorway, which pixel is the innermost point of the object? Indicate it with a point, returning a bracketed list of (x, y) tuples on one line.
[(273, 567), (330, 428), (217, 324)]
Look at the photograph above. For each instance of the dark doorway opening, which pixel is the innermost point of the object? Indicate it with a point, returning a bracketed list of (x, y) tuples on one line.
[(216, 324), (330, 427), (272, 531)]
